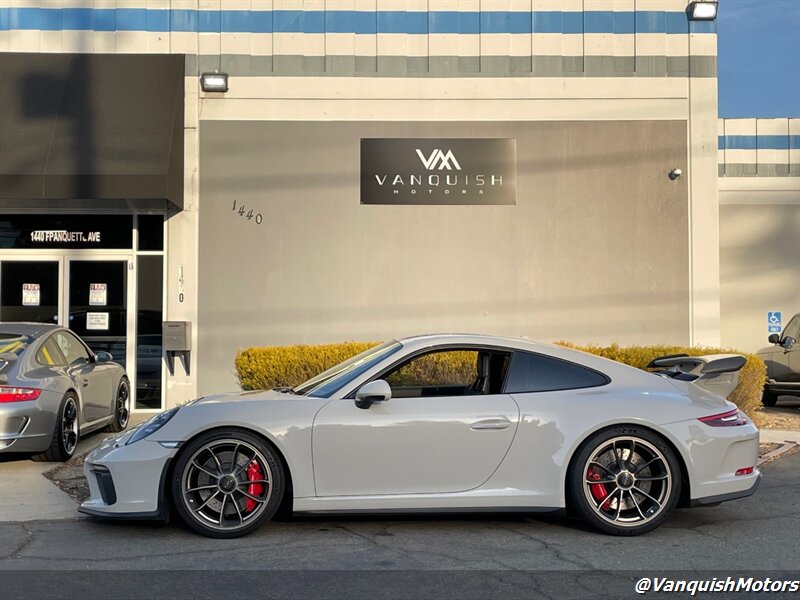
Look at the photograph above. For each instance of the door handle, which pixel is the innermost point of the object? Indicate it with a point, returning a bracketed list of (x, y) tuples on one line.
[(487, 424), (85, 383)]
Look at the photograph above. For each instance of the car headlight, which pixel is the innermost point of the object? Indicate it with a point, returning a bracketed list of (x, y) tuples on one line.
[(152, 425)]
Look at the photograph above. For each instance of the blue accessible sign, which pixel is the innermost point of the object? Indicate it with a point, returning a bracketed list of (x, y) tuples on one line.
[(774, 322)]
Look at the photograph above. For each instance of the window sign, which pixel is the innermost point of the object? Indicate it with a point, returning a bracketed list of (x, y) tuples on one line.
[(774, 322), (438, 171), (98, 294), (97, 321), (31, 294)]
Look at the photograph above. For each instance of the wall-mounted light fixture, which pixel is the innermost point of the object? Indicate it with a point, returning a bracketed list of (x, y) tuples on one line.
[(702, 10), (674, 174), (214, 82)]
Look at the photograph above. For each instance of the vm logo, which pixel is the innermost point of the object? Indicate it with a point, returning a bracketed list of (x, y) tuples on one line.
[(444, 160)]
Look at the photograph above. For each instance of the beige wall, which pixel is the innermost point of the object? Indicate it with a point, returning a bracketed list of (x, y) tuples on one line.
[(595, 250), (759, 257)]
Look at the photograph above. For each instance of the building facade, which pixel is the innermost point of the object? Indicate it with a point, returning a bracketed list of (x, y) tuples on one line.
[(759, 213), (376, 168)]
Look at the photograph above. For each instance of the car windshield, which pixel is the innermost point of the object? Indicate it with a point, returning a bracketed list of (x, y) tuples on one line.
[(13, 344), (328, 382)]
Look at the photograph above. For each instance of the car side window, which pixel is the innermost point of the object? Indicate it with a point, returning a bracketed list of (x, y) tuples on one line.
[(49, 355), (537, 373), (71, 348), (792, 329), (451, 372)]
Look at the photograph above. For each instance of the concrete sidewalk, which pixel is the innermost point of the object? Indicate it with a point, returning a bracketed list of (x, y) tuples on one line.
[(26, 495), (779, 436)]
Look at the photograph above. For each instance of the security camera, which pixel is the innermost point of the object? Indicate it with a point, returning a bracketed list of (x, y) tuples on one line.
[(675, 174)]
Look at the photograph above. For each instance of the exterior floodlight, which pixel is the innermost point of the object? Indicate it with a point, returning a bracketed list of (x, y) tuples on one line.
[(702, 11), (214, 82)]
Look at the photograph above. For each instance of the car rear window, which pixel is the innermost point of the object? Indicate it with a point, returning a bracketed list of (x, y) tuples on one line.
[(538, 373)]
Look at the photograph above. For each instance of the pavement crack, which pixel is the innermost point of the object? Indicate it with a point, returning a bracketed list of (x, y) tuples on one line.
[(30, 537), (550, 547)]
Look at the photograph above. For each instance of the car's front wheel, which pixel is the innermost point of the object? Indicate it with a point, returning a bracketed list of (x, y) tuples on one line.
[(227, 483), (625, 481), (769, 398), (122, 407)]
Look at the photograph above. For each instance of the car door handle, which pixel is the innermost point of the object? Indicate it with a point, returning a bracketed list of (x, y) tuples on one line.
[(495, 423)]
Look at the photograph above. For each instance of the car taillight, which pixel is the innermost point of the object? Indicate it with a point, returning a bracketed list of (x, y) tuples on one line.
[(15, 394), (726, 419), (745, 471)]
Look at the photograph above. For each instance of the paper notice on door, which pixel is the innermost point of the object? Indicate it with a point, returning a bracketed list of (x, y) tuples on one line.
[(31, 294), (97, 321), (98, 294)]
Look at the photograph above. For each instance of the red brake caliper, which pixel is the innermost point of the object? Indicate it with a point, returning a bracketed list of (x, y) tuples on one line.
[(598, 489), (254, 473)]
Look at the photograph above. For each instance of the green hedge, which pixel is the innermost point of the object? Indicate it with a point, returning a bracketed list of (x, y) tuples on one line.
[(271, 366)]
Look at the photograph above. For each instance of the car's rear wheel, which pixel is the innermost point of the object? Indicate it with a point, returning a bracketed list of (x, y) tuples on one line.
[(625, 481), (227, 483), (66, 432), (122, 407), (768, 398)]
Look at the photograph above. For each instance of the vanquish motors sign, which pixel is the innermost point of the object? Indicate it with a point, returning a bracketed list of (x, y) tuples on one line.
[(438, 171)]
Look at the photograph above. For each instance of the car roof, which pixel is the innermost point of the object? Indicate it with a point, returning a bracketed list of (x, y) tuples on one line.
[(473, 338), (29, 329)]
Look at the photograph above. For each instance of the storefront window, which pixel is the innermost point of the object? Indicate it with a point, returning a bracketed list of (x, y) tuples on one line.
[(151, 232), (148, 332)]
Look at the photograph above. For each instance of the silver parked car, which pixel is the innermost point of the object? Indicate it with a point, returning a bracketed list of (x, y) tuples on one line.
[(443, 423), (54, 389)]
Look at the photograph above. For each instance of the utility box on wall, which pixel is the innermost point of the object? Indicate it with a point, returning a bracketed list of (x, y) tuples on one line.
[(177, 340)]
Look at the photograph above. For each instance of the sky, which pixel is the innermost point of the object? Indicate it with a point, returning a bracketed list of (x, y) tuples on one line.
[(759, 58)]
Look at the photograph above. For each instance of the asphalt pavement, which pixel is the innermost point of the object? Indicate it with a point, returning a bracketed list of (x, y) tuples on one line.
[(463, 557)]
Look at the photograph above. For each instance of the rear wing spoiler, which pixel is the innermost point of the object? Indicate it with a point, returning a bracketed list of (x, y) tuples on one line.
[(699, 365), (716, 373)]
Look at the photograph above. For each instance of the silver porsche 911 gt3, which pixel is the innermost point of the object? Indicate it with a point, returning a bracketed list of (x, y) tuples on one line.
[(443, 423), (54, 389)]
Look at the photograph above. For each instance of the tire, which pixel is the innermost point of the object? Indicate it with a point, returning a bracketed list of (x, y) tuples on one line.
[(212, 483), (66, 432), (122, 407), (768, 398), (607, 492)]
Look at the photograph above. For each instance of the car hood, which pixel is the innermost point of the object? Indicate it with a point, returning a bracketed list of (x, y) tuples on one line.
[(249, 396)]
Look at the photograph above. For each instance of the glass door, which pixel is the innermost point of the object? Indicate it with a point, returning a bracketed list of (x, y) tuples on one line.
[(30, 289), (97, 301)]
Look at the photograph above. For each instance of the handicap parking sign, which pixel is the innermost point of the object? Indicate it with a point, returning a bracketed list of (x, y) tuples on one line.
[(774, 322)]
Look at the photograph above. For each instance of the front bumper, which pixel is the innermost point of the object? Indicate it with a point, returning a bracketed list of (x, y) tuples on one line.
[(127, 482)]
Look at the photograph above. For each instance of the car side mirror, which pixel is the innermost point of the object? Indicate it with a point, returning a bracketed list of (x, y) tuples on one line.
[(374, 391), (774, 338), (103, 357), (788, 342)]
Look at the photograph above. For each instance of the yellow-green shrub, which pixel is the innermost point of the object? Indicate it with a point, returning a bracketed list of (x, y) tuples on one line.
[(746, 395), (271, 366), (266, 367)]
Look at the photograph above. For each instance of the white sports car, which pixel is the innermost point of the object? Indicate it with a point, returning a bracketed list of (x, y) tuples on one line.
[(443, 423)]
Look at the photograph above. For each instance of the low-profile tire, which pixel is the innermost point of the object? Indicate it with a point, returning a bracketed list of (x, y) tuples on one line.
[(227, 483), (768, 398), (624, 481), (66, 432), (122, 407)]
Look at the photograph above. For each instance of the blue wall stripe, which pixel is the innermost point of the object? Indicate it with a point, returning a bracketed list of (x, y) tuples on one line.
[(755, 142), (360, 22)]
